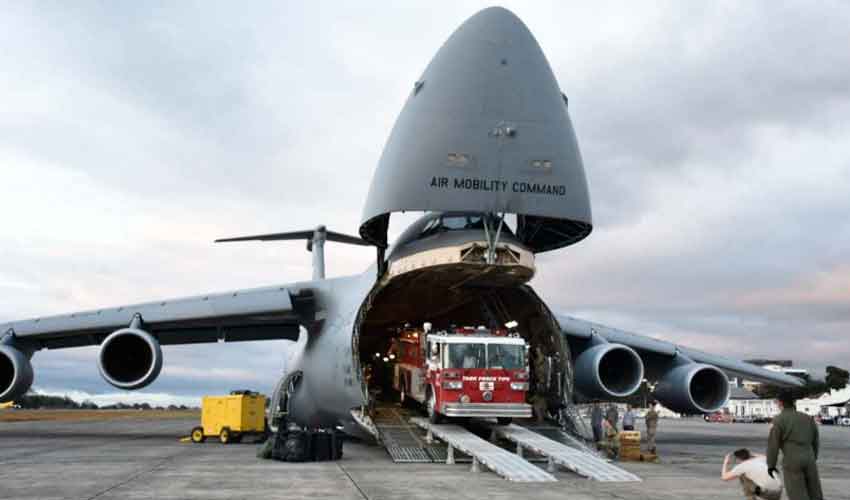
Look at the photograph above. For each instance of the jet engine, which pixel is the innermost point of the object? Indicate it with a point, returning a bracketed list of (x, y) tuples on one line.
[(130, 358), (693, 388), (608, 371), (15, 373)]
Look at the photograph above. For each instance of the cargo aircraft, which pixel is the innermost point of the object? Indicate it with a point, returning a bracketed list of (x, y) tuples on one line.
[(485, 149)]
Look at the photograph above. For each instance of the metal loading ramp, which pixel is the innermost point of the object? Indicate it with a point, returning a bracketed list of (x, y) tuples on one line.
[(581, 462), (401, 439), (504, 463)]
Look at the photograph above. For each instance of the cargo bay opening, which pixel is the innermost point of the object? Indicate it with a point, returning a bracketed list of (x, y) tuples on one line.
[(402, 305)]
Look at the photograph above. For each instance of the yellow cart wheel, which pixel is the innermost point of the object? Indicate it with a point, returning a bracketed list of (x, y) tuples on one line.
[(225, 436), (198, 435)]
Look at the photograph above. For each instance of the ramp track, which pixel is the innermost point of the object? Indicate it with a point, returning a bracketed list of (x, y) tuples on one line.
[(504, 463)]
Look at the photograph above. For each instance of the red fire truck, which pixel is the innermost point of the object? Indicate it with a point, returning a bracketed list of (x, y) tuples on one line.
[(467, 372)]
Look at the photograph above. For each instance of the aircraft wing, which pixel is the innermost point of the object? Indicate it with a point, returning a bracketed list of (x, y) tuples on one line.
[(253, 314), (654, 351)]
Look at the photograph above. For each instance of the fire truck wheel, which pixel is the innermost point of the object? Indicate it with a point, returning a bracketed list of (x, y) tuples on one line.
[(433, 416), (504, 420), (225, 437)]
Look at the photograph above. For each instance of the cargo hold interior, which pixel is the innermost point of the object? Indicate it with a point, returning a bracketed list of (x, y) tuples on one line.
[(408, 300)]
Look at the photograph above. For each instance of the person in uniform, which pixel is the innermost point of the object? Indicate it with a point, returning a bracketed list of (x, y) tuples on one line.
[(612, 415), (796, 434), (610, 439), (651, 421), (596, 422), (629, 419), (751, 471)]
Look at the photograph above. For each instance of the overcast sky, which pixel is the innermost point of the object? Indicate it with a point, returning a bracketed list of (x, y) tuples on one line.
[(715, 139)]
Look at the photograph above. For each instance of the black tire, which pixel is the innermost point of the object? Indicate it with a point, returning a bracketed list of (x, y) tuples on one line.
[(504, 420), (433, 416), (225, 436), (197, 435)]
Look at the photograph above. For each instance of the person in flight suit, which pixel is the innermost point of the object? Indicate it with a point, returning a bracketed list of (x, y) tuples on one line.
[(610, 443), (596, 422), (796, 434), (651, 421)]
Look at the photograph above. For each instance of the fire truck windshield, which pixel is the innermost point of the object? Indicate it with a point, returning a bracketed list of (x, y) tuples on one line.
[(467, 356), (478, 355), (506, 357)]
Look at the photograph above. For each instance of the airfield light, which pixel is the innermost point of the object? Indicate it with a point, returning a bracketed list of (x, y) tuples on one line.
[(392, 356), (386, 359)]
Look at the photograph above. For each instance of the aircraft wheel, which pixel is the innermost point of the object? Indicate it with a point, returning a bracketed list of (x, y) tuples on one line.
[(504, 420), (198, 435), (225, 436)]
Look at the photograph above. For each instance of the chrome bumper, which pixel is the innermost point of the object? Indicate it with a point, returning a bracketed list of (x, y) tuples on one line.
[(485, 410)]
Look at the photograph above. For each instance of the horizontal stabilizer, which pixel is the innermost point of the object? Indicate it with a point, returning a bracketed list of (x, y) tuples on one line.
[(300, 235)]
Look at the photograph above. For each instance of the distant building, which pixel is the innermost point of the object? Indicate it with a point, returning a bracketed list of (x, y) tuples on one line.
[(832, 404), (745, 403)]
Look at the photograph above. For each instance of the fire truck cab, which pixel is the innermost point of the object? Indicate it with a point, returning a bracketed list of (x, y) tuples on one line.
[(466, 372)]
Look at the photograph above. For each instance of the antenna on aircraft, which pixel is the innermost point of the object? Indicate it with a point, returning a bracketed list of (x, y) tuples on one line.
[(315, 243)]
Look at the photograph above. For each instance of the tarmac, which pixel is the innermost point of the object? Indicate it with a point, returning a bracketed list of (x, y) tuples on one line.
[(134, 459)]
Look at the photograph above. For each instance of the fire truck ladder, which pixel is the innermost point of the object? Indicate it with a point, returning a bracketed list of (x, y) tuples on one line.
[(581, 462), (504, 463)]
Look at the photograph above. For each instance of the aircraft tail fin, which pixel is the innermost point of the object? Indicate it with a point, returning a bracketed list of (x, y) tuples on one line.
[(315, 243), (308, 235)]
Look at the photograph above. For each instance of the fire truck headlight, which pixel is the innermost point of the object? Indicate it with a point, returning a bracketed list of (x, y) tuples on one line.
[(464, 399), (453, 385), (519, 386), (521, 375)]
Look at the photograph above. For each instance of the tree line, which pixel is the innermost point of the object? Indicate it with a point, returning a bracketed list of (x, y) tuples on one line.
[(33, 401)]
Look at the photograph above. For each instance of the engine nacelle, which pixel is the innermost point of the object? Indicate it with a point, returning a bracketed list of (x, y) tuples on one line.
[(130, 358), (693, 388), (608, 371), (15, 373)]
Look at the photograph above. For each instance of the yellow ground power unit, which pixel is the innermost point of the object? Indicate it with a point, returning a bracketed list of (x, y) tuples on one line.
[(231, 417)]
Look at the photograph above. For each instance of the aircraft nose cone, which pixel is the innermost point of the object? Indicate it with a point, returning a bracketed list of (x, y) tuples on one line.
[(485, 129), (492, 66)]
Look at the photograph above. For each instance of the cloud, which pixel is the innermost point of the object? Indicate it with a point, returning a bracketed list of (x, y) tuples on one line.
[(714, 137)]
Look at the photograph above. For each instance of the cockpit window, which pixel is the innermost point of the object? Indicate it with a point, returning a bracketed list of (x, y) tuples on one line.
[(453, 223)]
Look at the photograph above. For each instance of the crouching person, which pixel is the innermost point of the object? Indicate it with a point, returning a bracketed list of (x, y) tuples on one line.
[(751, 470)]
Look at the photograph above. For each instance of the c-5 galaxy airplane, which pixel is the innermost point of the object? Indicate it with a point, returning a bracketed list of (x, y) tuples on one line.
[(485, 148)]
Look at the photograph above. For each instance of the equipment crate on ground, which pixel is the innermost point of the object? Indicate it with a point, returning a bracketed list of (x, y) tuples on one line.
[(231, 417)]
